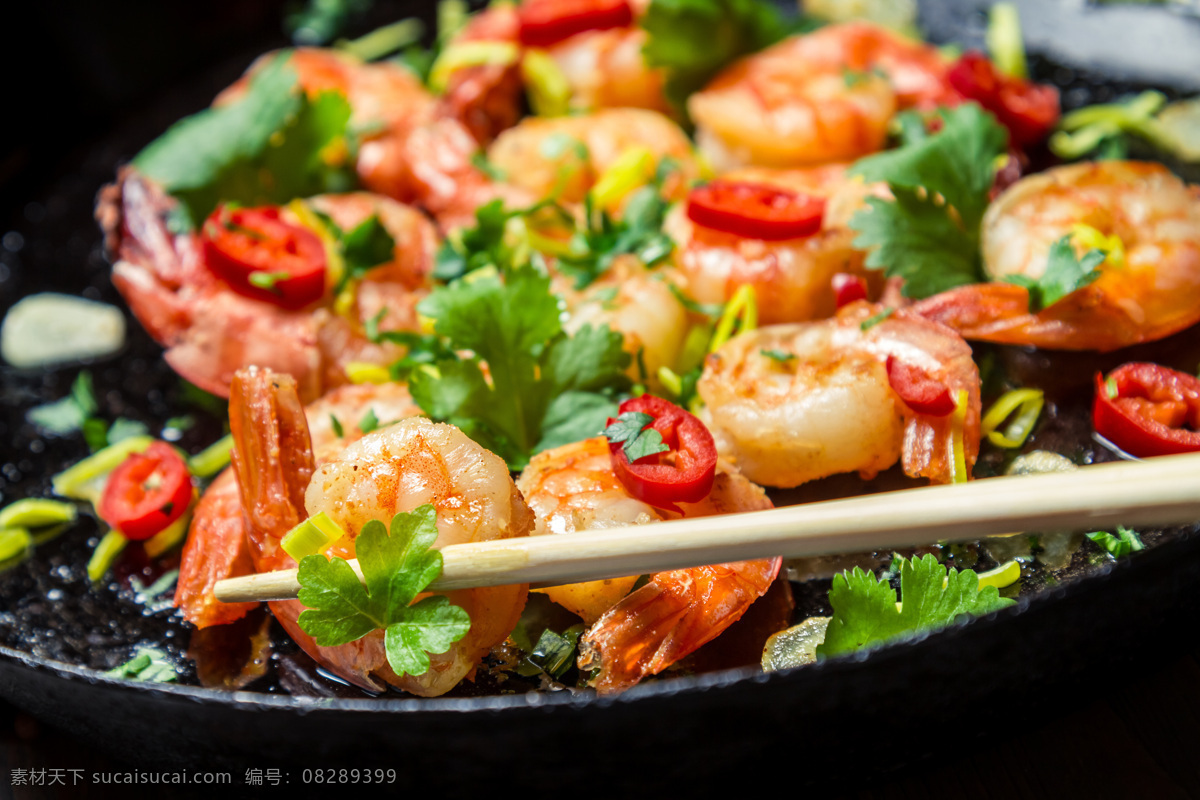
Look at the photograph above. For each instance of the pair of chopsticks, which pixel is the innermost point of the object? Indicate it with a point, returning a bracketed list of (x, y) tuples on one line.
[(1159, 491)]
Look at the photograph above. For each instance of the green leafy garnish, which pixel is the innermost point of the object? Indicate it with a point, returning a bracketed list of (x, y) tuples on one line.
[(1125, 542), (929, 233), (782, 356), (336, 424), (273, 130), (148, 664), (320, 21), (476, 247), (639, 440), (369, 422), (595, 246), (554, 653), (865, 613), (542, 388), (694, 39), (396, 567), (1064, 274), (71, 412), (875, 319), (267, 280)]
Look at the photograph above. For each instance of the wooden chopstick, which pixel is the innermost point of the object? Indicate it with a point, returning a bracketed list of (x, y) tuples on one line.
[(1159, 491)]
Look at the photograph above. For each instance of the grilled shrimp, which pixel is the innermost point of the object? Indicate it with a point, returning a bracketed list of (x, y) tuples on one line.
[(1150, 291), (217, 547), (823, 96), (793, 403), (792, 278), (210, 331), (393, 469), (573, 488)]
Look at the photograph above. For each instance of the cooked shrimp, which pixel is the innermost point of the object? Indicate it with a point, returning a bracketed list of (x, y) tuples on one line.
[(792, 278), (606, 69), (573, 488), (823, 96), (211, 331), (1152, 292), (217, 547), (393, 469), (567, 154), (831, 408)]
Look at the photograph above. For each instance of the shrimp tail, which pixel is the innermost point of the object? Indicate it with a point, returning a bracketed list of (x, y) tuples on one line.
[(670, 617)]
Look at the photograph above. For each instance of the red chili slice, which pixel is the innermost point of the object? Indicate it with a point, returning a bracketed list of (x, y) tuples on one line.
[(847, 288), (548, 22), (262, 256), (920, 392), (147, 492), (1029, 110), (1155, 411), (658, 479), (755, 211)]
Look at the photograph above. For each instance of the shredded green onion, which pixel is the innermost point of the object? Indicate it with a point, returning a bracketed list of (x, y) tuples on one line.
[(105, 555), (1006, 574), (633, 168), (384, 41), (14, 542), (168, 537), (741, 311), (311, 536), (85, 480), (958, 419), (35, 512), (212, 459), (366, 372), (469, 54), (547, 86), (1027, 403), (1004, 40), (1084, 129), (670, 381)]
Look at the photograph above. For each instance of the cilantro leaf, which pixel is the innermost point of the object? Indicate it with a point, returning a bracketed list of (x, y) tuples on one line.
[(272, 130), (365, 247), (369, 422), (476, 247), (72, 412), (602, 239), (396, 566), (513, 326), (1125, 542), (929, 234), (631, 429), (694, 39), (782, 356), (865, 613), (147, 664), (1064, 274), (321, 21)]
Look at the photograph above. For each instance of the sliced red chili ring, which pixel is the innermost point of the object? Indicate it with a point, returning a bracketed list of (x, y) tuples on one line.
[(847, 288), (685, 473), (1029, 110), (147, 492), (921, 392), (262, 256), (1148, 409), (548, 22), (755, 211)]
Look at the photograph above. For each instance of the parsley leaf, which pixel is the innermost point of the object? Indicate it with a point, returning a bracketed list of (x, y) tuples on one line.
[(631, 428), (1064, 274), (929, 233), (1125, 542), (272, 130), (396, 567), (865, 613), (540, 386), (694, 39)]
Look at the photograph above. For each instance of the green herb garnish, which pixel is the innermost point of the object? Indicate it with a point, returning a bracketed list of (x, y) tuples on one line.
[(147, 664), (639, 440), (1064, 274), (1125, 542)]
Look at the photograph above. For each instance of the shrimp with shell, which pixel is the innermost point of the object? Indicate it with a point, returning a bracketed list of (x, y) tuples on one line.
[(793, 403), (631, 636), (1145, 219)]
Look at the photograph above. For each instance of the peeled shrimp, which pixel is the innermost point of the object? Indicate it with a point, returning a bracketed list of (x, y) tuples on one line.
[(573, 488), (1152, 292), (217, 547), (393, 469), (792, 278), (210, 331), (830, 408), (823, 96)]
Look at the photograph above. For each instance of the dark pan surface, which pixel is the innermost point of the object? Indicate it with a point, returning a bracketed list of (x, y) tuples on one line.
[(863, 714)]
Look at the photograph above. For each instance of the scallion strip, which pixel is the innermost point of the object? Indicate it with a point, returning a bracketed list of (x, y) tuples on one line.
[(365, 372), (311, 536), (633, 168), (384, 41), (36, 512), (469, 54), (1006, 574), (105, 555), (14, 542), (740, 311), (85, 480), (958, 419), (212, 459), (547, 86), (168, 537), (1027, 403), (1004, 40)]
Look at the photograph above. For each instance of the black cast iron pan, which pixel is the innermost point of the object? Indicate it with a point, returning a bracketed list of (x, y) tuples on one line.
[(858, 716)]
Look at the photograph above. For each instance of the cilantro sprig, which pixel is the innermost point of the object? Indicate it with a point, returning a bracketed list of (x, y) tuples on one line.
[(540, 387), (77, 412), (1125, 541), (637, 439), (396, 566), (274, 129), (865, 613), (928, 233), (602, 238), (1064, 274)]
